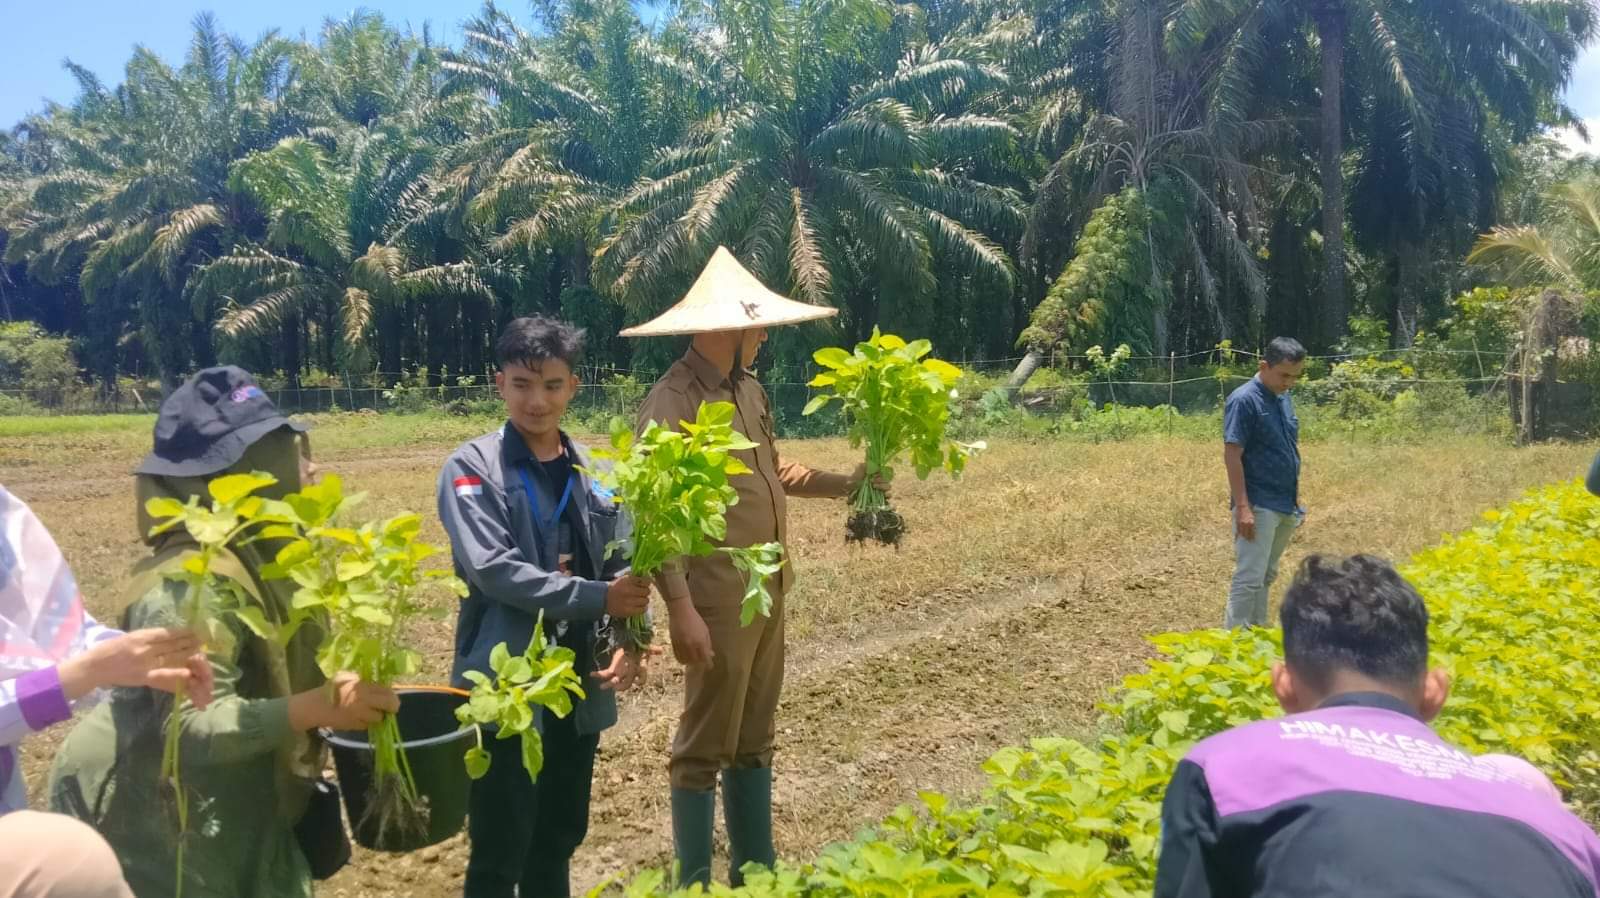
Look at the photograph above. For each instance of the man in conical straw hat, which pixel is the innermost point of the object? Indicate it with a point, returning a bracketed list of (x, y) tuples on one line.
[(734, 673)]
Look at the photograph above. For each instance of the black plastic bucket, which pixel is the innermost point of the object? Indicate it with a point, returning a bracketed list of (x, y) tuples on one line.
[(435, 745)]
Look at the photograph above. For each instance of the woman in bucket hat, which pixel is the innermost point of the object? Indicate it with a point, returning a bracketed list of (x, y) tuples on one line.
[(249, 759), (734, 673)]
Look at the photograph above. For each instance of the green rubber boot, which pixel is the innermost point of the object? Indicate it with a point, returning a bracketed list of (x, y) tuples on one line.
[(692, 813), (747, 809)]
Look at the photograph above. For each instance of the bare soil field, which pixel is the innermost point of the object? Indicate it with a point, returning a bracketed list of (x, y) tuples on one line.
[(1020, 594)]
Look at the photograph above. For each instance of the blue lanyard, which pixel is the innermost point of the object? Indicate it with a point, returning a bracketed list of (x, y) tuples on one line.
[(533, 500)]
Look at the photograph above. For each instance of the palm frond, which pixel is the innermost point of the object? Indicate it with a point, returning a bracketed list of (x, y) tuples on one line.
[(807, 260), (1529, 254), (265, 311)]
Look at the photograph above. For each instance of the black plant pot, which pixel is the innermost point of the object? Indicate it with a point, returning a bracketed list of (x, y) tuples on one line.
[(435, 744)]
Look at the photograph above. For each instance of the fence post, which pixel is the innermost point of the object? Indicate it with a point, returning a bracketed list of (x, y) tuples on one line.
[(1172, 369)]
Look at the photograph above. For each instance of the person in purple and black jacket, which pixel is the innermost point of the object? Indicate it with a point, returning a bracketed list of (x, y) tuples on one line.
[(1352, 793)]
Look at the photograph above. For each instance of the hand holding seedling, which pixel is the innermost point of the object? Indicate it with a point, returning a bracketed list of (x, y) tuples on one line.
[(167, 659), (880, 482), (676, 484), (627, 596), (895, 401), (346, 702)]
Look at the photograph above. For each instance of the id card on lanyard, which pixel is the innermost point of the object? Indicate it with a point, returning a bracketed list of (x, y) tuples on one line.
[(541, 527)]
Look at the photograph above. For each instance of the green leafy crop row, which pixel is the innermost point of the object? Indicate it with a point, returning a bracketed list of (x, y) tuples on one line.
[(1513, 603)]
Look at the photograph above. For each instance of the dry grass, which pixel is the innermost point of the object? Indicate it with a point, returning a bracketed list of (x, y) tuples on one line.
[(1019, 595)]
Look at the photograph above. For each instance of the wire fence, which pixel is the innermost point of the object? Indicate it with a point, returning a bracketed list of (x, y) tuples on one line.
[(1176, 381)]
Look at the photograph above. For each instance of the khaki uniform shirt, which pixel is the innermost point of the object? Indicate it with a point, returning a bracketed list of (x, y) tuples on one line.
[(761, 514)]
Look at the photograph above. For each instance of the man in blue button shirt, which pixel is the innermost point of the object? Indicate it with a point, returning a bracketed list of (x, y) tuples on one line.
[(1260, 435)]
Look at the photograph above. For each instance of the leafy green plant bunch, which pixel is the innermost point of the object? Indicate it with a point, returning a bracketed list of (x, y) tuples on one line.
[(232, 512), (366, 582), (675, 484), (896, 401), (544, 676)]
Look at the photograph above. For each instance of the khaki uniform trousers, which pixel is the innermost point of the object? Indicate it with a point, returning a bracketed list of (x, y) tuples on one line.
[(730, 707)]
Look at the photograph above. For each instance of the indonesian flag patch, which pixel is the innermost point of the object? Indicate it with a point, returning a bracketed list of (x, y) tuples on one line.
[(470, 485)]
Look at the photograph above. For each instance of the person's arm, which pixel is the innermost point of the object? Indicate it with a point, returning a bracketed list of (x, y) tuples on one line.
[(1594, 477), (160, 658), (1235, 436), (233, 727), (1189, 829), (807, 483), (478, 525)]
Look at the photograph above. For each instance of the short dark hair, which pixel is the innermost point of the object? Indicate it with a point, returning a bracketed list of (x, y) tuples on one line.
[(533, 341), (1354, 614), (1284, 349)]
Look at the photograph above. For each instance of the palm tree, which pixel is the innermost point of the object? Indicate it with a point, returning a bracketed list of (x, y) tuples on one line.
[(338, 248), (140, 193), (575, 113), (1405, 55), (1173, 203), (828, 167)]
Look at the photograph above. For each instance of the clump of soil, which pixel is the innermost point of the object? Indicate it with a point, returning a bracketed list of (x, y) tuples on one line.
[(882, 525)]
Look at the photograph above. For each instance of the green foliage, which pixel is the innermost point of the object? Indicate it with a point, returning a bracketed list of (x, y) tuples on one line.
[(36, 363), (543, 676), (1107, 292), (675, 485), (895, 401), (365, 584), (232, 511), (1511, 603)]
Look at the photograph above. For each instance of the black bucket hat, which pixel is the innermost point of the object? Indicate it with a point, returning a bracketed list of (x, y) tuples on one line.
[(206, 425)]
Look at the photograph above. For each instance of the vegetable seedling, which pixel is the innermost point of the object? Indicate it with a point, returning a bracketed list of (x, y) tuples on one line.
[(367, 582), (676, 486), (543, 676), (895, 401)]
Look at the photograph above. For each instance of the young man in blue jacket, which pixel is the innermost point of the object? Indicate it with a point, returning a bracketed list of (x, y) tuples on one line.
[(1353, 793), (528, 531)]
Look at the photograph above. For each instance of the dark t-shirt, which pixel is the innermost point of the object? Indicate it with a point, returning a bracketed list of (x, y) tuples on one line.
[(574, 560)]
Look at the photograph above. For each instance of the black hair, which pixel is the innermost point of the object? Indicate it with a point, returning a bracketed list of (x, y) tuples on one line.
[(1284, 349), (1356, 614), (533, 341)]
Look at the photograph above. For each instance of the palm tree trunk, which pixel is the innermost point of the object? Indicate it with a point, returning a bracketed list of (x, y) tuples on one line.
[(1024, 370), (1330, 22)]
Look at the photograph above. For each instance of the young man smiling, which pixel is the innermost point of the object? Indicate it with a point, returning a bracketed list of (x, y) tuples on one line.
[(529, 532)]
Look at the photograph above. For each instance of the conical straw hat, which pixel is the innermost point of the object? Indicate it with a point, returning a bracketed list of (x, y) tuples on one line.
[(726, 297)]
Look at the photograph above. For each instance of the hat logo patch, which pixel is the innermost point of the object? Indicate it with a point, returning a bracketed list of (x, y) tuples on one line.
[(246, 393)]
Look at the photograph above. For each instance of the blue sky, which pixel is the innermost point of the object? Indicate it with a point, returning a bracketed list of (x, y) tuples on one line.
[(100, 34)]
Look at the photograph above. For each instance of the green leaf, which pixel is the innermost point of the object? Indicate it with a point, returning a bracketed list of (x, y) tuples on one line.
[(831, 357), (816, 404), (371, 614), (498, 656), (253, 618), (532, 753), (477, 762), (354, 569), (234, 487), (163, 507)]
